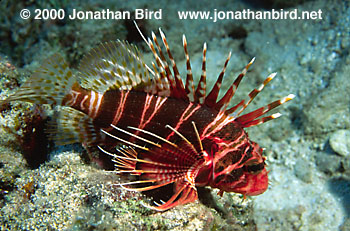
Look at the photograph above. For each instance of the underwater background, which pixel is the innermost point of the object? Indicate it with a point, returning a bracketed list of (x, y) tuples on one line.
[(45, 186)]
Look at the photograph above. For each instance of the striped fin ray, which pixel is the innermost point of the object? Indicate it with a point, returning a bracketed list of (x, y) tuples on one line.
[(48, 85), (250, 119), (158, 163), (185, 193), (114, 65), (126, 163), (163, 64), (176, 86), (179, 90), (255, 92), (211, 99), (72, 126), (225, 100), (200, 93), (189, 78), (160, 84), (160, 60)]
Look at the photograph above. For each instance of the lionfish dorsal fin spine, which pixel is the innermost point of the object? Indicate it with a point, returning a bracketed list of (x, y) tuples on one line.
[(225, 100), (163, 67), (211, 98), (200, 93), (250, 119), (189, 87), (164, 64), (179, 90), (255, 92)]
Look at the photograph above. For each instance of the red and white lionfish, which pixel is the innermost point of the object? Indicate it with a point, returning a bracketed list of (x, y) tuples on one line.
[(164, 132)]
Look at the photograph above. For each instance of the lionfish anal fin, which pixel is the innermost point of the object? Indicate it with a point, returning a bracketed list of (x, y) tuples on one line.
[(72, 126), (159, 163)]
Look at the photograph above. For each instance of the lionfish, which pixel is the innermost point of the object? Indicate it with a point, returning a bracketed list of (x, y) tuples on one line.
[(166, 132)]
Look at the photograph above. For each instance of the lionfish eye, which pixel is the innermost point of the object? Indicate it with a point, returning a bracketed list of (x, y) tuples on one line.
[(254, 168)]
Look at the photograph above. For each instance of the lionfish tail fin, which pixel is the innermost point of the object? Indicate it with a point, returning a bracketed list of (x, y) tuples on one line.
[(72, 126), (48, 85)]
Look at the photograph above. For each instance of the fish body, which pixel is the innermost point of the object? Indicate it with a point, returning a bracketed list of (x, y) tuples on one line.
[(166, 132)]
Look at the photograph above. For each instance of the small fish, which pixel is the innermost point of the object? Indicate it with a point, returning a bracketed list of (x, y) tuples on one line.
[(166, 132)]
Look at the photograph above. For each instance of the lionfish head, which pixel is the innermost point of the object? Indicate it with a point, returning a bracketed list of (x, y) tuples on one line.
[(255, 179), (239, 166)]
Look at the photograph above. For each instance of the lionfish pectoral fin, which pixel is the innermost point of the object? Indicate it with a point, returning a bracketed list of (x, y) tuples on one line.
[(49, 84), (72, 126), (183, 195), (125, 161), (184, 192), (159, 163)]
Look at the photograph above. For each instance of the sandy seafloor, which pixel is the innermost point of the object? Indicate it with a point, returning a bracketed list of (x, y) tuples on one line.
[(308, 149)]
